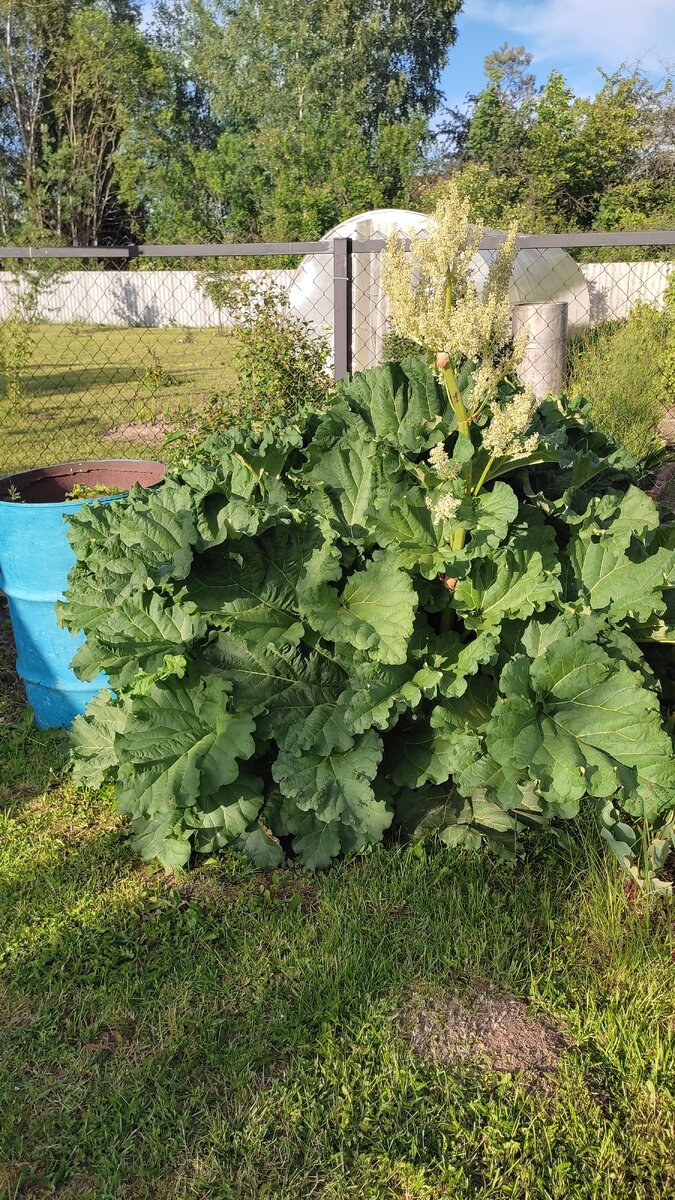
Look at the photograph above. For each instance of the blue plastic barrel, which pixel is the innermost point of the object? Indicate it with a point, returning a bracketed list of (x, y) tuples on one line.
[(35, 558)]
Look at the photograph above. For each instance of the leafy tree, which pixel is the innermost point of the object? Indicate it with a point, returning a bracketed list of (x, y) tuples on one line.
[(100, 83), (72, 79), (507, 69), (579, 147), (31, 36), (277, 61), (325, 104), (502, 113), (549, 159), (318, 174)]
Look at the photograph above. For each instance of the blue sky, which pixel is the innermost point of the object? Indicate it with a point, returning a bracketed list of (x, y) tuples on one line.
[(574, 36)]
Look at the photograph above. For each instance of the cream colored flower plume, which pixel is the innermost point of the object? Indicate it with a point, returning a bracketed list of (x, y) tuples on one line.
[(434, 300)]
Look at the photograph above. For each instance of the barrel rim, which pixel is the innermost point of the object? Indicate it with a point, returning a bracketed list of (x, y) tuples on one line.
[(74, 467)]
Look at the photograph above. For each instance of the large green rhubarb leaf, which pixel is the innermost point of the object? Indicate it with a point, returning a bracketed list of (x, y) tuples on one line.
[(379, 693), (456, 820), (516, 580), (295, 698), (252, 589), (400, 520), (487, 517), (162, 836), (93, 740), (429, 750), (134, 637), (226, 815), (658, 627), (148, 536), (618, 517), (248, 488), (263, 851), (375, 611), (619, 582), (346, 479), (453, 660), (403, 402), (582, 721), (460, 820), (612, 566), (337, 790), (180, 743), (160, 531), (92, 594)]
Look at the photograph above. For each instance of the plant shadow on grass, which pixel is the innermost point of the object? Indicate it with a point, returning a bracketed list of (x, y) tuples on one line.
[(26, 430), (58, 382)]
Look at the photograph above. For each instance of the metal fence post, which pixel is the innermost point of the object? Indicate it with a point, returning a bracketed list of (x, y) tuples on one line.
[(342, 307)]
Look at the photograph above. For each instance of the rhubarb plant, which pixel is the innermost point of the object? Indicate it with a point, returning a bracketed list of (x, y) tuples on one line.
[(438, 607)]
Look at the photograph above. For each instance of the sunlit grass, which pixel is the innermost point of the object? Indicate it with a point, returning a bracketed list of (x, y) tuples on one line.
[(81, 382)]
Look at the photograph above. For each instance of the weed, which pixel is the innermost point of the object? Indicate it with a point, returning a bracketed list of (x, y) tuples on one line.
[(620, 368), (156, 375)]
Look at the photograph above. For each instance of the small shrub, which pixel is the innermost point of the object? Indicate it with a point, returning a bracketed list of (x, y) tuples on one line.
[(156, 375), (622, 369), (280, 361), (281, 366), (16, 351), (225, 282)]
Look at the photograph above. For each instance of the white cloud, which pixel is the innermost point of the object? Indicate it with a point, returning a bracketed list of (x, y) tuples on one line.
[(606, 32)]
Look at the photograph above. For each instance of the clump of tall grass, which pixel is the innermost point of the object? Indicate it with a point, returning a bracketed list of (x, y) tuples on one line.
[(625, 371)]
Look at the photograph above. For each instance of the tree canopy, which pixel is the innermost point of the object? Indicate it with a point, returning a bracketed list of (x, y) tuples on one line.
[(198, 120), (552, 160), (219, 119)]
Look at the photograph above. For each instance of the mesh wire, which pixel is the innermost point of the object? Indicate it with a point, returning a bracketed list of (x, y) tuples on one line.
[(104, 360), (101, 360)]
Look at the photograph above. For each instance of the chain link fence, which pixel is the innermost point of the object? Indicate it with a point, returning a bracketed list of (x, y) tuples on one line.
[(103, 352)]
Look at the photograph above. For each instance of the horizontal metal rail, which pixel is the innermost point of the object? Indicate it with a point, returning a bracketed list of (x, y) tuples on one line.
[(572, 241), (551, 241), (531, 241), (233, 250)]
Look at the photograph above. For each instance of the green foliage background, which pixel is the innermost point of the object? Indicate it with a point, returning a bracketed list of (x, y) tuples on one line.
[(551, 160), (625, 369), (213, 121)]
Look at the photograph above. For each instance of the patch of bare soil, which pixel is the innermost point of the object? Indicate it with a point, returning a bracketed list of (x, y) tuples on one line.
[(277, 887), (151, 433), (476, 1025)]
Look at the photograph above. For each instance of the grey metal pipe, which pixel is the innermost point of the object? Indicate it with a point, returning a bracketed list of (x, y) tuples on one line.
[(543, 363)]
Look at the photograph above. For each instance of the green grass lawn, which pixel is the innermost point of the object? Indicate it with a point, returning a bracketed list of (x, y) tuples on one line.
[(80, 382), (231, 1036)]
